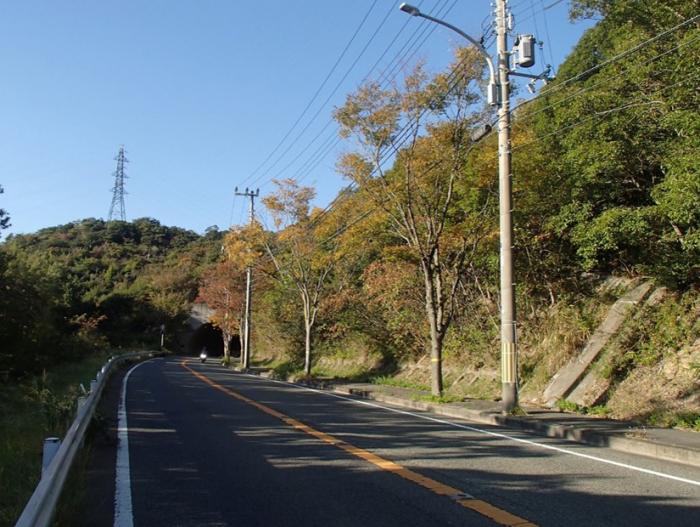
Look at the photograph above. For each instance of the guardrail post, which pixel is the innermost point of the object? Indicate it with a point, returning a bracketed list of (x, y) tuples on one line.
[(93, 385), (82, 399), (51, 445)]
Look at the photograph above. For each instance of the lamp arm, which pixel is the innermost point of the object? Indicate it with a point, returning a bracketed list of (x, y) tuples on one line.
[(477, 44)]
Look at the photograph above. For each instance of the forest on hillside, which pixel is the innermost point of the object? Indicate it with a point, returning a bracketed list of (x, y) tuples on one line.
[(91, 285), (402, 267)]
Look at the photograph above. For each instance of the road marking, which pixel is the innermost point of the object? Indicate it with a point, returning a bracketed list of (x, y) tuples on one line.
[(490, 433), (123, 510), (495, 514)]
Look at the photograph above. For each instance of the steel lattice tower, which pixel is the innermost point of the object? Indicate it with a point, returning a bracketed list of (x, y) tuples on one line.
[(118, 189)]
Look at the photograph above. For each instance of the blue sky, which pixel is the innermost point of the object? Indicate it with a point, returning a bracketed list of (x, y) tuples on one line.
[(200, 93)]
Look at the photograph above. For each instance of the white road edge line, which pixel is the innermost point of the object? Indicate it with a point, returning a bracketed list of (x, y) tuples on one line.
[(490, 433), (123, 511)]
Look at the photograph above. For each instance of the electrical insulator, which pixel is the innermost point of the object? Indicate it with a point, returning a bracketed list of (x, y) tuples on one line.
[(525, 44)]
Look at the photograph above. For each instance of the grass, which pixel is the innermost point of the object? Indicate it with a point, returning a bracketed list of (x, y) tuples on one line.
[(285, 369), (30, 411), (684, 420), (387, 380), (346, 371), (597, 410), (442, 399)]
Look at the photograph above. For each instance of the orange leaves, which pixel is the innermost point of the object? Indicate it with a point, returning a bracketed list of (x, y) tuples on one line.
[(355, 167), (223, 290), (244, 245), (289, 204), (372, 113)]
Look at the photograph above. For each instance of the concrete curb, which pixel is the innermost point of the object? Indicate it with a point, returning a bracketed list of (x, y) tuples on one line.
[(615, 440)]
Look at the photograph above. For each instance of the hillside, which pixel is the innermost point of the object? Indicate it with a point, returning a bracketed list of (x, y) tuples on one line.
[(88, 285)]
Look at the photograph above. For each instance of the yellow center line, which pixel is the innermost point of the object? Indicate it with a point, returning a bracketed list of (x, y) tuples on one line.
[(482, 507)]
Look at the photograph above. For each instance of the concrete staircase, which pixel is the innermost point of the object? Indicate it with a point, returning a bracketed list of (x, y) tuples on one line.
[(570, 382)]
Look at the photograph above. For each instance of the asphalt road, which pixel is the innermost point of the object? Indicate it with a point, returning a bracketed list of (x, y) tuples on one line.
[(210, 447)]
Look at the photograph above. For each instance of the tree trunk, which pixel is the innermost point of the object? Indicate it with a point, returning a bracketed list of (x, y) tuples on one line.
[(307, 351), (227, 351), (435, 363), (436, 336)]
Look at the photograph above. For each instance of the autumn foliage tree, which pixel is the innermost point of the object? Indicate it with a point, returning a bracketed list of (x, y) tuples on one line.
[(427, 124), (223, 290), (296, 251)]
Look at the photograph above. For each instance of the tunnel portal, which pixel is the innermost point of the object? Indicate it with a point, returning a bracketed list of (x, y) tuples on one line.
[(210, 336)]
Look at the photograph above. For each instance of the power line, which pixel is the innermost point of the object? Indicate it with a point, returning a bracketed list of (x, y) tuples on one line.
[(597, 116), (330, 121), (388, 79), (412, 42), (323, 105), (549, 38), (604, 113), (400, 138), (619, 56), (601, 82), (326, 148), (394, 72), (318, 91)]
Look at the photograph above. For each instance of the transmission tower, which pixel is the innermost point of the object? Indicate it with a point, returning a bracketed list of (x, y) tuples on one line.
[(116, 209)]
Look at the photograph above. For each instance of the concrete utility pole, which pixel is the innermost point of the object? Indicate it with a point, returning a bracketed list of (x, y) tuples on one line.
[(509, 357), (245, 352)]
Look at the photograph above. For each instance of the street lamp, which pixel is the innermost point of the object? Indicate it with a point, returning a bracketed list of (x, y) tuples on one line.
[(509, 365)]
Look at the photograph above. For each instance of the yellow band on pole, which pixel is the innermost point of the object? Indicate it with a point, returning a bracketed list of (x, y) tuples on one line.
[(508, 364)]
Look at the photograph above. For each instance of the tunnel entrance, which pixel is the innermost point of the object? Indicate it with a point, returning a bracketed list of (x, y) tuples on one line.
[(210, 336)]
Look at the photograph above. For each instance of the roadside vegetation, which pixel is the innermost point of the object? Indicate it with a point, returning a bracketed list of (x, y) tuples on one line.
[(70, 296), (39, 406)]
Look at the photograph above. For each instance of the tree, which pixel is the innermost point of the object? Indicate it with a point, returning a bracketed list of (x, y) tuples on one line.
[(297, 251), (619, 187), (4, 217), (418, 193), (223, 290)]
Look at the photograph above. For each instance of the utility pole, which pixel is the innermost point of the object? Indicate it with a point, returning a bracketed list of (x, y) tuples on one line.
[(118, 189), (509, 358), (498, 94), (246, 351)]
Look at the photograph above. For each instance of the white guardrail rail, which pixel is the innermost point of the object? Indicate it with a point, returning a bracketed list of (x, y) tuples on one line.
[(41, 506)]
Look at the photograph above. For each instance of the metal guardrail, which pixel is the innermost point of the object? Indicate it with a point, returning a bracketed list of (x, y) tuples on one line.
[(41, 506)]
